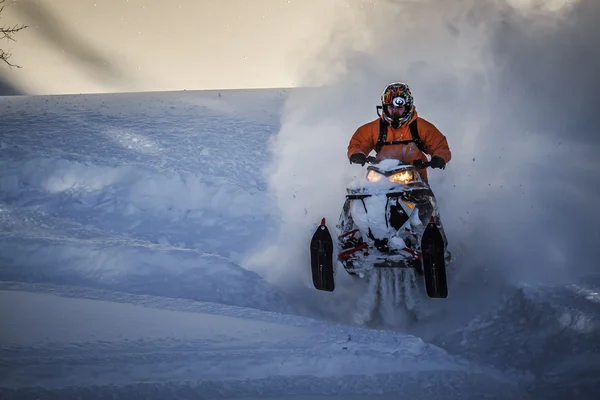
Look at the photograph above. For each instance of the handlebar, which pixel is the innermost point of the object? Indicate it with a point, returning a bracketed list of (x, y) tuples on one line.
[(419, 164)]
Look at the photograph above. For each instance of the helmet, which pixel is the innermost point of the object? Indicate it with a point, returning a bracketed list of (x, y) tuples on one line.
[(397, 94)]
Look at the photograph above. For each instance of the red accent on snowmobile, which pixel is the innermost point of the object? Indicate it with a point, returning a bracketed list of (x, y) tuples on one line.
[(348, 233), (416, 255), (346, 254)]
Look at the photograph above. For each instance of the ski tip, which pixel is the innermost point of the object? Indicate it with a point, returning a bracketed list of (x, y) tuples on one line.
[(323, 222)]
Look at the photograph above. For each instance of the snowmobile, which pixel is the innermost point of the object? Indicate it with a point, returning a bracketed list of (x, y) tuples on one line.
[(389, 219)]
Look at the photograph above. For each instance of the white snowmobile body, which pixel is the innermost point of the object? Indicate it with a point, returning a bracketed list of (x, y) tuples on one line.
[(390, 219)]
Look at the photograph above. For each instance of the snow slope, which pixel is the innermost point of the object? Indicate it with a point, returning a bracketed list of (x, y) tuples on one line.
[(115, 198), (101, 348), (127, 222)]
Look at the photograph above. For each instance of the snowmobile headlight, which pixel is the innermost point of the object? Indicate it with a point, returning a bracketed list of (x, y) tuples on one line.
[(406, 176), (373, 176)]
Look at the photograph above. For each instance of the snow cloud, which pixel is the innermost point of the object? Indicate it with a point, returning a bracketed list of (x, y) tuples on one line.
[(511, 84)]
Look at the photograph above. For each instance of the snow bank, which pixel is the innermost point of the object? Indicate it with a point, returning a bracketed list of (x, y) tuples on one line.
[(161, 196), (106, 349), (549, 336), (137, 268), (170, 194)]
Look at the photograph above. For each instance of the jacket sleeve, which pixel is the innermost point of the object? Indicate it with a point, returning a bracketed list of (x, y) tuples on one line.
[(361, 141), (435, 142)]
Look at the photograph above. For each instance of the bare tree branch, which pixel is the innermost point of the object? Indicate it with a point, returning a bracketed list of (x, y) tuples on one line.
[(4, 56), (7, 33)]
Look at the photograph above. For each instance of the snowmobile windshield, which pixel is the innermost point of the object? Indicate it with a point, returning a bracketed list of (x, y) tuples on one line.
[(403, 175)]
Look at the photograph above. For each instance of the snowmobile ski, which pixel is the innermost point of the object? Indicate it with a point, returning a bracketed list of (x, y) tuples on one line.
[(321, 258), (434, 264)]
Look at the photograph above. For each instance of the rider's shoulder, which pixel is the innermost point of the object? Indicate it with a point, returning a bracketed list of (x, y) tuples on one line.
[(369, 127), (425, 124)]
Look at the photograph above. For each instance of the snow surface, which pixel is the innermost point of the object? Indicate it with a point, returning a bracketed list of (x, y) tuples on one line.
[(135, 262)]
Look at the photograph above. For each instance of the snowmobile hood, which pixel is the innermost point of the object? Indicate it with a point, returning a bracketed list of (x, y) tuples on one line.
[(389, 166)]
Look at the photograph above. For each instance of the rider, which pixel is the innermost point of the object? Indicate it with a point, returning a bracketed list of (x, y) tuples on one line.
[(399, 133)]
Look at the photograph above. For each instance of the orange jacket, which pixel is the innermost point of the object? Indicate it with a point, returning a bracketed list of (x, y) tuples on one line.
[(365, 139)]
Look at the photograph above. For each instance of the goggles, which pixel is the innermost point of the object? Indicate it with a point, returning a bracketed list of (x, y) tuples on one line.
[(395, 97), (398, 102)]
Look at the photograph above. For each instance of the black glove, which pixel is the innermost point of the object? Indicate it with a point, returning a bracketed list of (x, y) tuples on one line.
[(358, 158), (419, 164), (437, 162)]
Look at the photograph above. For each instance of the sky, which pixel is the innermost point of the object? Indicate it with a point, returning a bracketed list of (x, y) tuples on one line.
[(82, 46), (87, 46)]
